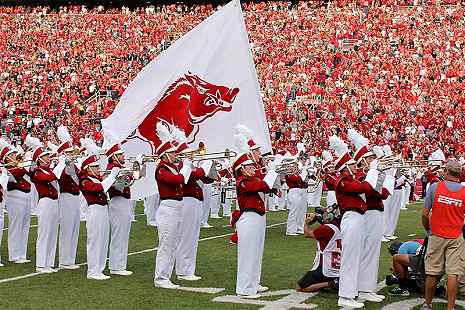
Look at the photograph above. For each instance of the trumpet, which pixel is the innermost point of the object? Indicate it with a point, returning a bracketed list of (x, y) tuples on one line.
[(68, 159), (145, 158), (214, 156), (288, 166), (127, 176), (267, 159)]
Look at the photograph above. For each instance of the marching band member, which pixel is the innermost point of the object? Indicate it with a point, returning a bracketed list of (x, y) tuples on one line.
[(94, 189), (18, 205), (46, 183), (119, 212), (330, 177), (225, 178), (373, 220), (206, 205), (68, 203), (295, 182), (3, 185), (349, 193), (83, 207), (251, 225), (169, 180), (189, 230)]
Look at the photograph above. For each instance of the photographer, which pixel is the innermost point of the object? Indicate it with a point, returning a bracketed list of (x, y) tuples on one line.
[(325, 270)]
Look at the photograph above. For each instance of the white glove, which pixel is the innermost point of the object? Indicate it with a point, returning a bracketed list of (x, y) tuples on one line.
[(114, 172), (186, 171), (188, 163), (389, 184), (60, 166), (140, 159), (400, 180), (303, 175), (4, 179), (206, 166), (224, 181), (271, 166), (391, 171), (270, 178), (372, 177), (374, 164), (277, 183), (108, 182), (213, 174)]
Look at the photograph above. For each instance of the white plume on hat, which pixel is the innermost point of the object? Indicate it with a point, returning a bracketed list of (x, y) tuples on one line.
[(32, 142), (63, 134), (387, 150), (438, 157), (339, 146), (242, 135), (327, 156), (53, 147), (4, 143), (163, 133), (110, 138), (461, 160), (357, 139), (19, 149), (91, 147), (378, 150), (300, 148), (178, 135)]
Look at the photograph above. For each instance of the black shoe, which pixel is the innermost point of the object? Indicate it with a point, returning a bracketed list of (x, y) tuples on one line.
[(334, 285), (397, 291)]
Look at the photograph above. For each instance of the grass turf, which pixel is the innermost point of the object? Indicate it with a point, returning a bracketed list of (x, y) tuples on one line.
[(285, 261)]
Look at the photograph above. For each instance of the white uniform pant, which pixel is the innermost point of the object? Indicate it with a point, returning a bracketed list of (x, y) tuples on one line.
[(352, 229), (227, 207), (47, 232), (391, 214), (310, 197), (402, 199), (98, 230), (69, 227), (188, 239), (282, 200), (294, 200), (251, 239), (373, 220), (331, 198), (215, 205), (407, 188), (2, 218), (34, 199), (120, 225), (133, 209), (303, 210), (83, 207), (207, 198), (318, 194), (151, 207), (272, 202), (168, 224), (18, 205)]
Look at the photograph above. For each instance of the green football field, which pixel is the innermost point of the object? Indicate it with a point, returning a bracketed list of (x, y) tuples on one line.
[(285, 261)]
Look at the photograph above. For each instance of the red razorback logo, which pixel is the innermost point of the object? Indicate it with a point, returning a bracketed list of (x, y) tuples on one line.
[(185, 104)]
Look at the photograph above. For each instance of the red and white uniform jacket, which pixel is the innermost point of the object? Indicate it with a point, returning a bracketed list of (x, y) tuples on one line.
[(19, 182), (248, 189), (70, 183), (46, 182), (330, 181), (295, 181), (92, 189), (169, 181), (192, 188), (350, 194), (114, 191), (374, 200)]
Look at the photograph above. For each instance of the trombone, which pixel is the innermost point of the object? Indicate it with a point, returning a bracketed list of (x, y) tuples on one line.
[(145, 158)]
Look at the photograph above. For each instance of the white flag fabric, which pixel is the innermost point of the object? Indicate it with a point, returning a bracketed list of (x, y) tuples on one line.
[(205, 83)]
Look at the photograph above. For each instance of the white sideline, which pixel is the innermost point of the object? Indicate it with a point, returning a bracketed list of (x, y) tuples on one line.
[(129, 254)]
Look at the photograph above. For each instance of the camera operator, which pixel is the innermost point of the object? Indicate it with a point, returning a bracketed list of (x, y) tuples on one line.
[(325, 270)]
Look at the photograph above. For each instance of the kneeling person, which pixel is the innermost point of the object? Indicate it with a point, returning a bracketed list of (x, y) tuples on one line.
[(325, 270)]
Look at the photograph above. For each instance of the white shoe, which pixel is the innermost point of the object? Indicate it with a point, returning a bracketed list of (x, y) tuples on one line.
[(215, 217), (152, 224), (292, 234), (273, 210), (1, 265), (169, 285), (392, 237), (206, 226), (261, 288), (377, 295), (51, 269), (121, 272), (22, 261), (98, 277), (69, 267), (189, 278), (362, 296), (83, 219), (299, 231), (133, 221), (43, 270), (404, 208), (384, 239), (253, 296), (349, 303)]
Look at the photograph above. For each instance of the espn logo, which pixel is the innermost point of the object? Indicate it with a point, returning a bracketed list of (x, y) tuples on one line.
[(450, 201)]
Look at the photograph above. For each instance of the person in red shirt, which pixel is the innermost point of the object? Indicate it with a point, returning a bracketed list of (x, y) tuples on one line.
[(325, 270)]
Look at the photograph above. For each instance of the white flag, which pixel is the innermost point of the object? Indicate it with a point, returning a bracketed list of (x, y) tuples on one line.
[(205, 84)]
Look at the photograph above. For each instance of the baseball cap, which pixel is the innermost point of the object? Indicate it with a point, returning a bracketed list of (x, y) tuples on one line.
[(453, 165)]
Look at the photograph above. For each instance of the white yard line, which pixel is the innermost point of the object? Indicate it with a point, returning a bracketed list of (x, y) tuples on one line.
[(129, 254)]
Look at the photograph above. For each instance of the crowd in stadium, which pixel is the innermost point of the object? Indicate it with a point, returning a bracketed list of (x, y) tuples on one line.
[(400, 81)]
